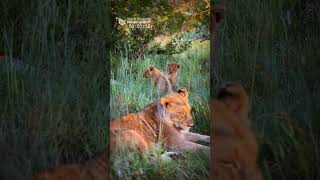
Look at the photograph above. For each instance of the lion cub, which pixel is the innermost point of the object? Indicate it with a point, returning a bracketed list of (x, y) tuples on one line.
[(235, 146), (159, 80), (173, 69)]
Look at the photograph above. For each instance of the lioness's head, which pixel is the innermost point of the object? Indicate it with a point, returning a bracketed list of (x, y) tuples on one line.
[(151, 71), (229, 107), (173, 67), (177, 110), (235, 144)]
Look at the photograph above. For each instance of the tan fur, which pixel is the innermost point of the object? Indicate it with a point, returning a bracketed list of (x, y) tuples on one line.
[(173, 69), (95, 169), (159, 80), (235, 149), (169, 118)]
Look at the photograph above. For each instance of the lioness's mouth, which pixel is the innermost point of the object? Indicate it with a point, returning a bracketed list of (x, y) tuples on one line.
[(186, 128)]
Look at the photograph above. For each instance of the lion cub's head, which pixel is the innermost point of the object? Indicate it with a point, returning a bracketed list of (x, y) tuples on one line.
[(173, 68), (176, 110), (151, 72)]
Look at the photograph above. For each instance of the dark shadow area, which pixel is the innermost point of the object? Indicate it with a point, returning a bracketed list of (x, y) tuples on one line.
[(272, 48), (54, 83)]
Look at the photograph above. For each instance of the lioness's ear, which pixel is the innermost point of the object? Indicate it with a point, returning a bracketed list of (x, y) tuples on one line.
[(164, 102), (218, 13), (183, 92), (178, 65)]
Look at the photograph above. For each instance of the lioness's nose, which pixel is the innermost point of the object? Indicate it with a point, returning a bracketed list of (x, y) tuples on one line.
[(190, 124)]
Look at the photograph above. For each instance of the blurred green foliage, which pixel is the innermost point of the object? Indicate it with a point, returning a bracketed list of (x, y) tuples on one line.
[(166, 20)]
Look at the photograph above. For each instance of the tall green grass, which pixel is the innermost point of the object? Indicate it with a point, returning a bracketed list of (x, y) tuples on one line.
[(131, 92), (56, 111), (272, 47)]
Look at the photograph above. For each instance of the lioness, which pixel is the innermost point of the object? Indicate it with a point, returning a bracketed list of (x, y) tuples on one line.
[(235, 148), (170, 117), (159, 80), (173, 69)]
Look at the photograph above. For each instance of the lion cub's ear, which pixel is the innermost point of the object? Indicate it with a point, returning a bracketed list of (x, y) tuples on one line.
[(164, 102), (183, 92)]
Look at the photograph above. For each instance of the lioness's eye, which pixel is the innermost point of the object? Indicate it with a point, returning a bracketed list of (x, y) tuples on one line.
[(151, 68)]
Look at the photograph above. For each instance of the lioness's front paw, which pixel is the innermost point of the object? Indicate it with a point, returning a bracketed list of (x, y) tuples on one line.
[(208, 139), (170, 155)]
